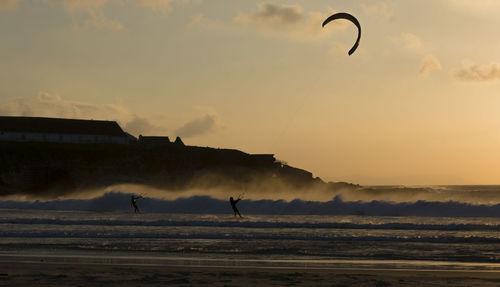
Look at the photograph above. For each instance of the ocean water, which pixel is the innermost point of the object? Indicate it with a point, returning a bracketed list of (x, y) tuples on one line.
[(437, 228), (301, 241)]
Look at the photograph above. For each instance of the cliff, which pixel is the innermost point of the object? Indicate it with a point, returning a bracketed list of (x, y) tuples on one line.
[(50, 169)]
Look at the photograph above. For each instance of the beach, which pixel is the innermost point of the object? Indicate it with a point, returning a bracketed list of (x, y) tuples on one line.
[(76, 248), (68, 274)]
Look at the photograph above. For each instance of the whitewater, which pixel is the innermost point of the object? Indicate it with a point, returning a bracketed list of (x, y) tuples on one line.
[(336, 233)]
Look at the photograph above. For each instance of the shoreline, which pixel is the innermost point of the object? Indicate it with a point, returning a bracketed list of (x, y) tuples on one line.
[(124, 275), (206, 260)]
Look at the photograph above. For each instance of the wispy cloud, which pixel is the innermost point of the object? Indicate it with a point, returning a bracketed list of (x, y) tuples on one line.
[(160, 6), (471, 72), (197, 20), (9, 5), (475, 6), (79, 4), (87, 14), (380, 10), (290, 21), (412, 44), (428, 64), (95, 19), (272, 15), (139, 125), (91, 14), (409, 41), (208, 121), (51, 105)]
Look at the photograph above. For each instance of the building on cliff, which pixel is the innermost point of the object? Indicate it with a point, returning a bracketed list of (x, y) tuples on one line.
[(35, 129), (156, 141), (153, 141), (178, 141)]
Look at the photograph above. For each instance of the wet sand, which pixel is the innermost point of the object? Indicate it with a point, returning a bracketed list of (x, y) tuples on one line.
[(71, 274)]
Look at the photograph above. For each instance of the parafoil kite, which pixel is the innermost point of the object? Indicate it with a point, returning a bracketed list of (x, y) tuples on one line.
[(350, 18)]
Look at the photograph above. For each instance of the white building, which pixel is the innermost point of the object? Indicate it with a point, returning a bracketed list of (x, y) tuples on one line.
[(33, 129)]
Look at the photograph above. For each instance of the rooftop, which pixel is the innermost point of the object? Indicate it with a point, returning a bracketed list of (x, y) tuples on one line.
[(59, 126)]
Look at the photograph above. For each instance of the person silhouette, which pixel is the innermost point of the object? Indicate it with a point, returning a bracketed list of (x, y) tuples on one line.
[(133, 202), (233, 205)]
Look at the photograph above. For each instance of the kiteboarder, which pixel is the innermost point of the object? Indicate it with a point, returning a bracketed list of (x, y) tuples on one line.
[(233, 205), (133, 202)]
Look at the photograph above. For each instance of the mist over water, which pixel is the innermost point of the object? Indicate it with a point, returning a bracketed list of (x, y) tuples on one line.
[(200, 224), (452, 201), (472, 194)]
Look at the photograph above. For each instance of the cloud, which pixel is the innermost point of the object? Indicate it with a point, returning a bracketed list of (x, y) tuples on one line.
[(310, 28), (288, 20), (272, 15), (161, 6), (208, 121), (50, 105), (475, 5), (471, 72), (429, 63), (97, 19), (414, 45), (79, 4), (9, 5), (409, 41), (139, 125), (382, 10), (197, 20), (90, 14)]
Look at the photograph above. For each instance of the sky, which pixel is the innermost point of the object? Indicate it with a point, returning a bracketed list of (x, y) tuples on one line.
[(416, 104)]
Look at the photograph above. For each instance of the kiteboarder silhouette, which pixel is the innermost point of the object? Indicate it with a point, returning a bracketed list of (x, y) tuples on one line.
[(133, 202), (233, 205)]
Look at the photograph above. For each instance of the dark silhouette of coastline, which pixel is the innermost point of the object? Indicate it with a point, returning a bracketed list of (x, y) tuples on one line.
[(48, 157), (48, 170)]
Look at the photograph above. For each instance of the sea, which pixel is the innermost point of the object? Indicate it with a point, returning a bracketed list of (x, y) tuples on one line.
[(29, 233)]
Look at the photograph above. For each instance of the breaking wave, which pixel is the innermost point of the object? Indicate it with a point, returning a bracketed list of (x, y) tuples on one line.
[(117, 201)]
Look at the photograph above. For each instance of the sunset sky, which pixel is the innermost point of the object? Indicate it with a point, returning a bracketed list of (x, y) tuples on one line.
[(418, 103)]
